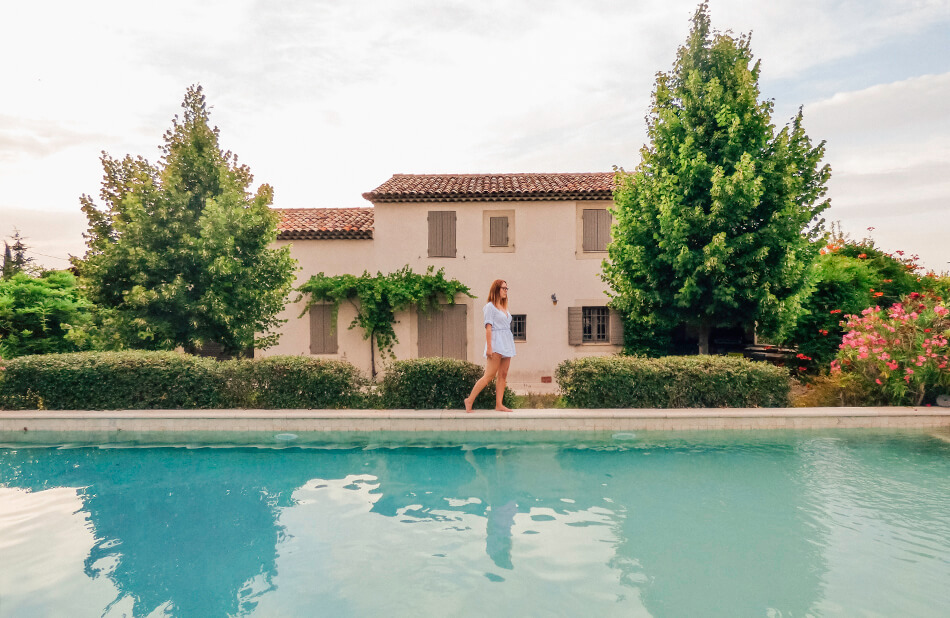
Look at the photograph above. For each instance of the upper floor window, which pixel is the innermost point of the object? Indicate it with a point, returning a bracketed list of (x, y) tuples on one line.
[(498, 231), (596, 223), (442, 233)]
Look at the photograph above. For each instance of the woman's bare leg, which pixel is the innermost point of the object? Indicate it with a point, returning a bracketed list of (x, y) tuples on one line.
[(491, 368), (500, 382)]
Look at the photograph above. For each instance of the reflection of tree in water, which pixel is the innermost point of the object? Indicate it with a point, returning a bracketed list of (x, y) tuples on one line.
[(190, 528), (200, 529)]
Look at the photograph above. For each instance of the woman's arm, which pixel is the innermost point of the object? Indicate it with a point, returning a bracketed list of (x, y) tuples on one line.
[(488, 351)]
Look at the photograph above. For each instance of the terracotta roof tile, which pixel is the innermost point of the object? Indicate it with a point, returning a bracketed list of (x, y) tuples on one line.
[(495, 187), (324, 223)]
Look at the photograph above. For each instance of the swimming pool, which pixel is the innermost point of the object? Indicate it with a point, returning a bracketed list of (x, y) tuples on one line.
[(746, 523)]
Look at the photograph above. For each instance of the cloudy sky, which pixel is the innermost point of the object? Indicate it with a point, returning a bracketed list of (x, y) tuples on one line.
[(327, 99)]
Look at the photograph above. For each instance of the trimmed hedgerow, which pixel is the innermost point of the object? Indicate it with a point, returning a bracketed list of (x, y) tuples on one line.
[(281, 382), (436, 383), (113, 380), (139, 380), (672, 382)]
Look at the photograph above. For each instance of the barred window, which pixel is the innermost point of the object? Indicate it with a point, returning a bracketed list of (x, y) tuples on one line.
[(519, 326), (595, 324)]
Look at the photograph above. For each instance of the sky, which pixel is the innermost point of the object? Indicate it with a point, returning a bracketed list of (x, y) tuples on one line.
[(326, 100)]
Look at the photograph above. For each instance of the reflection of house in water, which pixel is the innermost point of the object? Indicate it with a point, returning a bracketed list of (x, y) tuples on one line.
[(201, 528)]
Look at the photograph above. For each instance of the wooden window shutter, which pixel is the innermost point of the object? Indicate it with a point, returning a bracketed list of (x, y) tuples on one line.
[(590, 229), (448, 234), (575, 325), (498, 231), (455, 341), (323, 337), (430, 334), (435, 233), (441, 233), (596, 229), (616, 328), (604, 219)]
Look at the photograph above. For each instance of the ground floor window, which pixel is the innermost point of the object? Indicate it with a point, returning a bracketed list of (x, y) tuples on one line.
[(519, 326), (595, 322), (443, 332)]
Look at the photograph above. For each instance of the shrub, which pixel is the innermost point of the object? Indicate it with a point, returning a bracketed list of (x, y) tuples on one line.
[(138, 380), (436, 383), (899, 356), (851, 276), (280, 382), (42, 315), (672, 382), (114, 380)]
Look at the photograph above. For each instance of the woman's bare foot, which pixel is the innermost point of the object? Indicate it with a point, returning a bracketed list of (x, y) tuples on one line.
[(503, 409), (468, 404)]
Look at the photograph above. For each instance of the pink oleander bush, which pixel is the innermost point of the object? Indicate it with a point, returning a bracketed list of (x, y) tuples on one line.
[(897, 356)]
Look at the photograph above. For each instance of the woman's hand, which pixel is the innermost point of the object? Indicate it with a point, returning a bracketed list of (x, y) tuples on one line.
[(489, 353)]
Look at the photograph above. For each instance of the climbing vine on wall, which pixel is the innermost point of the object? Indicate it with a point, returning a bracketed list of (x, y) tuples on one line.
[(377, 298)]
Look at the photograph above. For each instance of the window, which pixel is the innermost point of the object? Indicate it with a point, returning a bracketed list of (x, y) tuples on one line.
[(593, 325), (498, 231), (594, 321), (444, 333), (596, 223), (519, 326), (323, 336), (442, 233)]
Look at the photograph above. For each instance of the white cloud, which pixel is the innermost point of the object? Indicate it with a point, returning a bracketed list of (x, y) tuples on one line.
[(325, 100), (889, 148)]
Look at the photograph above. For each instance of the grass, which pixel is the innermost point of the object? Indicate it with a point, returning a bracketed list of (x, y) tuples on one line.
[(533, 401)]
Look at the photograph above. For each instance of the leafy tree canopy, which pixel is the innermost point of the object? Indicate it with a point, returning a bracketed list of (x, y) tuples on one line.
[(719, 223), (42, 315), (180, 251), (378, 298)]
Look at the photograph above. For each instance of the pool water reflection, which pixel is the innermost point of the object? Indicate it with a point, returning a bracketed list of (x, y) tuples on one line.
[(730, 524)]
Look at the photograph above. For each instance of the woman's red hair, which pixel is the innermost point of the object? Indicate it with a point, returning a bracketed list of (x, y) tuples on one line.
[(494, 294)]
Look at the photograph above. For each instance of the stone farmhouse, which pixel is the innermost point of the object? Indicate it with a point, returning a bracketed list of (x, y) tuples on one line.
[(545, 234)]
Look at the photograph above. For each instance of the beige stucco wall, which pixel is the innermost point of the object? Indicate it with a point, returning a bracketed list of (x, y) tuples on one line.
[(332, 257), (547, 259)]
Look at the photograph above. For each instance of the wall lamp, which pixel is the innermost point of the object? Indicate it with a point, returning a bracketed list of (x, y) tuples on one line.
[(554, 298)]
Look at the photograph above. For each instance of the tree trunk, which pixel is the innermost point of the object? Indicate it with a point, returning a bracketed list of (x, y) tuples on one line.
[(704, 330), (372, 354)]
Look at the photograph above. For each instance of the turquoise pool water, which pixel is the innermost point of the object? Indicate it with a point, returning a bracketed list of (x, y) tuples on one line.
[(645, 524)]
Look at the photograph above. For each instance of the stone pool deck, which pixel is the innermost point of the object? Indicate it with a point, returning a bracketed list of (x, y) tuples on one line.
[(484, 420)]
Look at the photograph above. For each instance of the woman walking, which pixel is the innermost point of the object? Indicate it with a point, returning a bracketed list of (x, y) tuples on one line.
[(499, 345)]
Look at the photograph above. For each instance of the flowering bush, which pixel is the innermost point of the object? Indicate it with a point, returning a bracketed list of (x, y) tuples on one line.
[(897, 356)]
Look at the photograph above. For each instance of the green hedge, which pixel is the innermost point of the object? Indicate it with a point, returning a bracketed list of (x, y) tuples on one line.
[(280, 382), (112, 380), (169, 380), (672, 382), (436, 383)]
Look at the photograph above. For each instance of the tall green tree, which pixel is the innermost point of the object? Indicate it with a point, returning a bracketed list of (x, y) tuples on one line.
[(717, 226), (15, 259), (180, 253)]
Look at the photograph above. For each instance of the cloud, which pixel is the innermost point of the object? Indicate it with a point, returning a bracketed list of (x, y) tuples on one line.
[(889, 149)]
